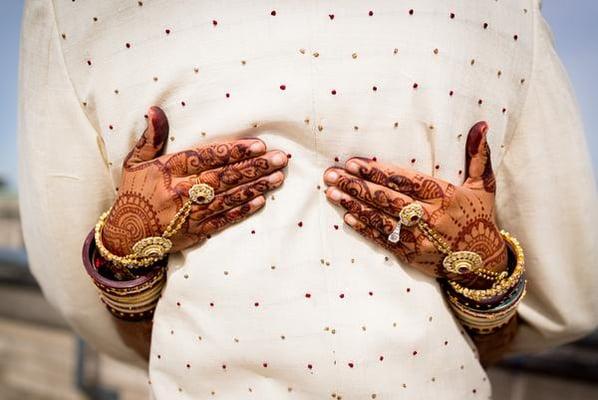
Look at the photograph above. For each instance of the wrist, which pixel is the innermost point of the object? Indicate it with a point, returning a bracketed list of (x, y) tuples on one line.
[(496, 263), (119, 239), (130, 219), (132, 298)]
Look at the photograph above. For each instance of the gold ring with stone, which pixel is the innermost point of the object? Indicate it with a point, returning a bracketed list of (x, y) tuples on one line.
[(201, 193), (462, 262), (411, 214)]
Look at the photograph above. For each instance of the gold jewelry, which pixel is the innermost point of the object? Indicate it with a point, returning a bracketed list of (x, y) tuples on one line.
[(201, 193), (457, 262), (490, 320), (501, 286), (134, 290), (150, 250), (462, 262), (134, 302), (152, 246), (410, 215)]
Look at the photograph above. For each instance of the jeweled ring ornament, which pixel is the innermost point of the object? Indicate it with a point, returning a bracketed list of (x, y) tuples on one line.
[(410, 215), (154, 246), (456, 262), (395, 235), (462, 262), (201, 193)]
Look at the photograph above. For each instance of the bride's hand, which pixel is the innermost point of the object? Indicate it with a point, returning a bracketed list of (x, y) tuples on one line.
[(374, 194), (155, 186)]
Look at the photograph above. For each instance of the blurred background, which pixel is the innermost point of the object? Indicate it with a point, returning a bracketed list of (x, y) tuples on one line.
[(41, 358)]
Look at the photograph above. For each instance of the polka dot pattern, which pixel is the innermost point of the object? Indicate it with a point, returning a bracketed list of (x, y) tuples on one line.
[(291, 303)]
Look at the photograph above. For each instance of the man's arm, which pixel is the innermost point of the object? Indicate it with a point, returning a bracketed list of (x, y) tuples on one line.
[(64, 183), (547, 198)]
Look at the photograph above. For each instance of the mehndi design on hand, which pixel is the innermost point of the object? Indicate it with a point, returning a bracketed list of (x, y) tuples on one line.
[(155, 186), (374, 194)]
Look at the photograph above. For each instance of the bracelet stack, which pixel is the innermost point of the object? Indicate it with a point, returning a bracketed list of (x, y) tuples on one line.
[(488, 320), (130, 285), (480, 311), (487, 310), (150, 250), (131, 300)]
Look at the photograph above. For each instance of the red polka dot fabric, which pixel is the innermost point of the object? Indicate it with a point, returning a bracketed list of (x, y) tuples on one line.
[(291, 304)]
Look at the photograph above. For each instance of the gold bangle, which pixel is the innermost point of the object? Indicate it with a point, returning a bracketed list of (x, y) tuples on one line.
[(488, 321), (141, 298), (130, 314), (134, 304), (150, 250), (502, 286), (131, 306)]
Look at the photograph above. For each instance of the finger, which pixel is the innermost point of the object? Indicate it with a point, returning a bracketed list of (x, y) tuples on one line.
[(388, 200), (368, 215), (151, 142), (407, 249), (374, 235), (229, 217), (237, 196), (404, 180), (195, 161), (478, 164), (231, 175)]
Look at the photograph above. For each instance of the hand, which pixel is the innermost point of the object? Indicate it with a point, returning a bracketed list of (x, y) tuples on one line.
[(374, 194), (154, 187)]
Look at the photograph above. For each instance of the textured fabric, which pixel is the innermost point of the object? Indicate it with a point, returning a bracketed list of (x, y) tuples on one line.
[(290, 303)]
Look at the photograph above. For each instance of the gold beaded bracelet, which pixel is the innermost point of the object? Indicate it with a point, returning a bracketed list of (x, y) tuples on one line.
[(509, 289), (488, 321), (131, 300), (499, 287), (457, 262), (150, 250)]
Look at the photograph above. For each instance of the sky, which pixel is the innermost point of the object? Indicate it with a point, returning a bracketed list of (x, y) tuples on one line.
[(573, 23)]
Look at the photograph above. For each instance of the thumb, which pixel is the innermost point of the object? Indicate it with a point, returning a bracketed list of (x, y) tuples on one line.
[(478, 165), (150, 144)]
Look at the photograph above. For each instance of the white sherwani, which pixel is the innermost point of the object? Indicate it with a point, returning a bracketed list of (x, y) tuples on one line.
[(323, 80)]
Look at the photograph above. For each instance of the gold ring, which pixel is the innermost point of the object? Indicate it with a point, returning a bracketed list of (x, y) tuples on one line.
[(411, 214), (201, 193)]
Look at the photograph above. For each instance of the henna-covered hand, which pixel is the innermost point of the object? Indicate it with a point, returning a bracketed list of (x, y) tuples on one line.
[(154, 187), (374, 194)]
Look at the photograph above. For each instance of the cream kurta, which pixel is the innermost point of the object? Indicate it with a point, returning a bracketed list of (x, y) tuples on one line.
[(323, 80)]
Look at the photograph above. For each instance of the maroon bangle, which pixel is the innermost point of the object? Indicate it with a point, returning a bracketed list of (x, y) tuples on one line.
[(133, 299), (493, 301)]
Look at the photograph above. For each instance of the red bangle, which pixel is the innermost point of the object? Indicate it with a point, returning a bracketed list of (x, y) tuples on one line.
[(133, 299)]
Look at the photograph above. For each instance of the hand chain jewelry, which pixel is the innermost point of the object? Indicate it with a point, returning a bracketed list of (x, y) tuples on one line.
[(148, 251), (502, 286), (458, 262)]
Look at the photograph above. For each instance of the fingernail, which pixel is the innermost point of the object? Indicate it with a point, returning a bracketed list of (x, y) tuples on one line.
[(159, 123), (352, 167), (349, 219), (330, 177), (335, 194), (474, 143), (275, 177), (279, 159), (258, 201), (257, 147), (474, 140)]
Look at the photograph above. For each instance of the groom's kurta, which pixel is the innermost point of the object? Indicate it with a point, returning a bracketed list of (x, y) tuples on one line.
[(323, 80)]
